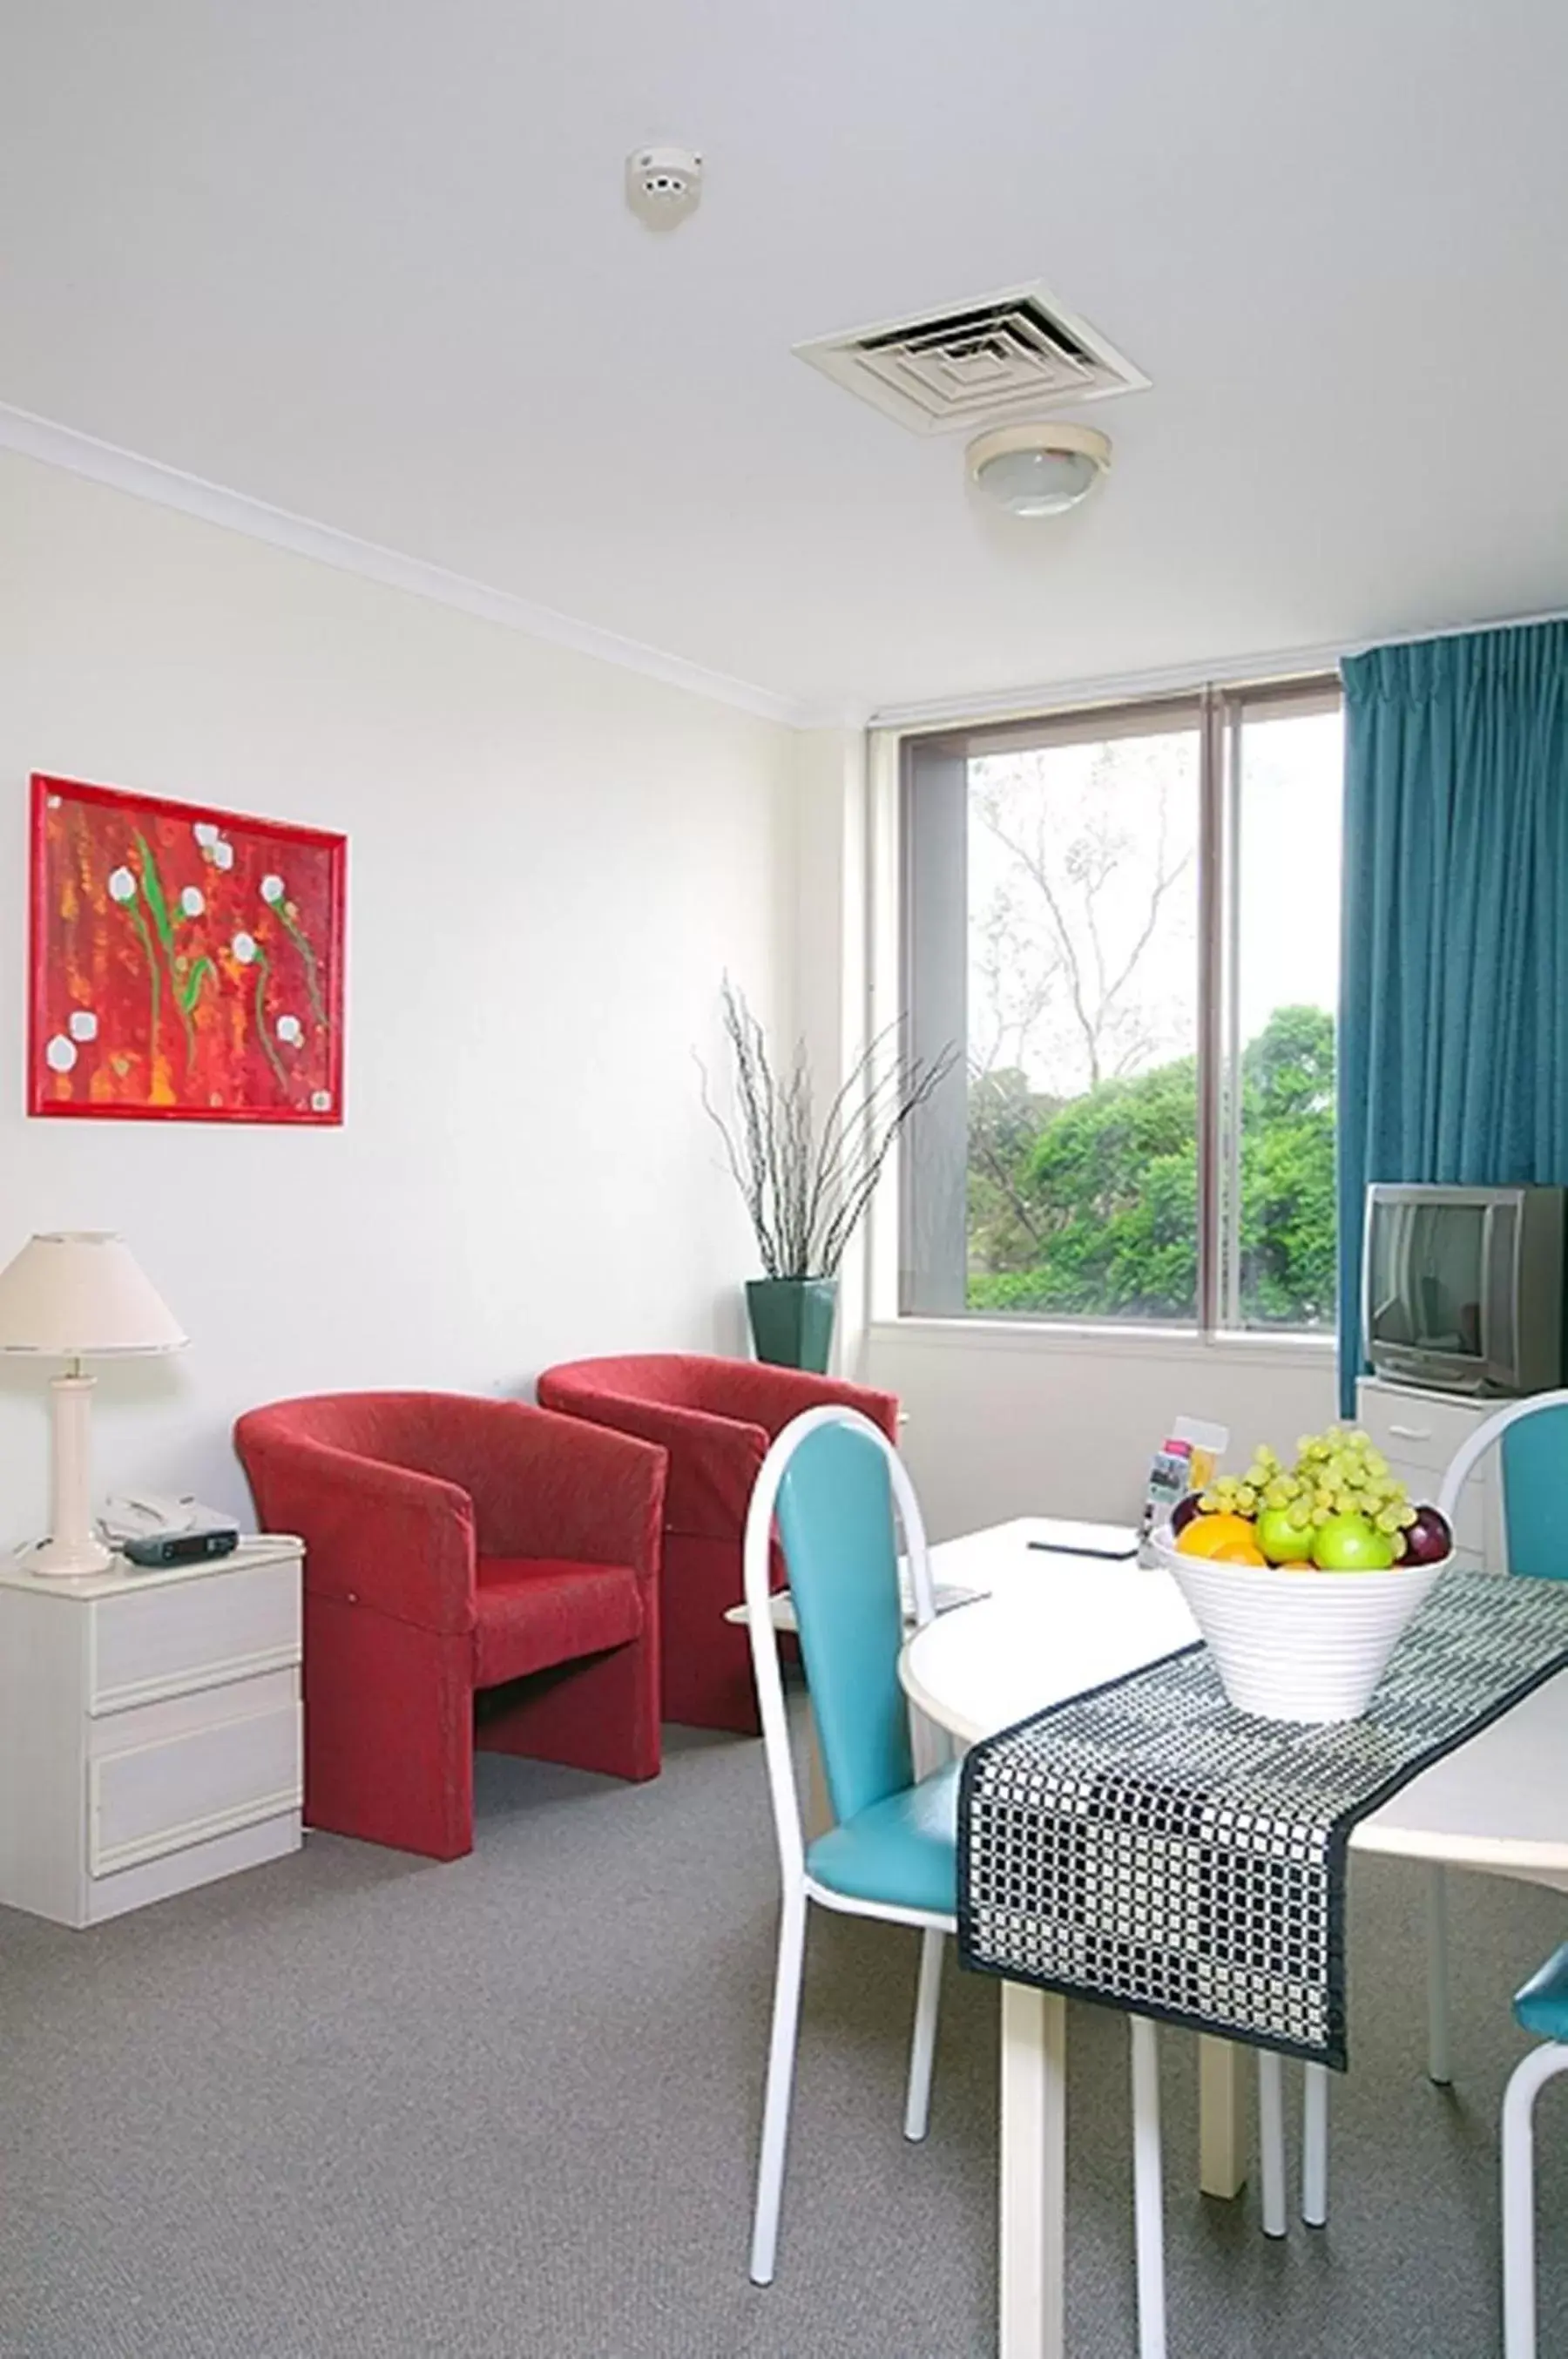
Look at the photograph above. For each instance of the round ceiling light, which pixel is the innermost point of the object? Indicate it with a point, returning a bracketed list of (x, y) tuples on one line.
[(1035, 471)]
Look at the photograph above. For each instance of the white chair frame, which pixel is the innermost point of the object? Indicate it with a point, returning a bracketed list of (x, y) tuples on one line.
[(1525, 2084), (798, 1888), (1271, 2143), (1460, 1466)]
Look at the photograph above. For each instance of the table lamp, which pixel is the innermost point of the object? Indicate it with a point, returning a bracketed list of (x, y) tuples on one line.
[(75, 1295)]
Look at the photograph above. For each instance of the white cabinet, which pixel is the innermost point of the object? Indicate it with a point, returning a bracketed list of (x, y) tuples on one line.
[(1418, 1433), (149, 1729)]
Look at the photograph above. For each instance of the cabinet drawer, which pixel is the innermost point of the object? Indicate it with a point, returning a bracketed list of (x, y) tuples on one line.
[(1420, 1428), (191, 1633), (162, 1797)]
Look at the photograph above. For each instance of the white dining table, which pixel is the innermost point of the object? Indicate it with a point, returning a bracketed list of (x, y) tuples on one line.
[(1045, 1628)]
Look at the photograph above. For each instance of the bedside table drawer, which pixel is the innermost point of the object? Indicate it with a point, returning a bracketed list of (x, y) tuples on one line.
[(191, 1633), (164, 1796)]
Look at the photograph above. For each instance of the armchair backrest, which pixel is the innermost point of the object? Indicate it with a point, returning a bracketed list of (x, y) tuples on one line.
[(714, 1417), (521, 1481), (835, 1482), (673, 1379), (405, 1429)]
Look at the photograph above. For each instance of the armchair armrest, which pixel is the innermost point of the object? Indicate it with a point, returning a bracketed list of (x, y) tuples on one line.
[(399, 1542)]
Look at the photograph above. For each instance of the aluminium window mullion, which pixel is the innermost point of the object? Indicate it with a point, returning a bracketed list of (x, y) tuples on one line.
[(1211, 1035), (1231, 1110)]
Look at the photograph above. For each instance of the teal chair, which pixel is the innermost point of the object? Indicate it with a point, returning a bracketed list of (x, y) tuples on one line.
[(1533, 1437), (832, 1478), (1542, 2007), (840, 1492)]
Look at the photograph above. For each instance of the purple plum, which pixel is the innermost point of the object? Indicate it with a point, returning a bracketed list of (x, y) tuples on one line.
[(1182, 1513), (1428, 1540)]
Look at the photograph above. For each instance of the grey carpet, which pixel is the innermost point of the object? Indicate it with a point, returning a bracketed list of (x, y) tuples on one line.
[(357, 2104)]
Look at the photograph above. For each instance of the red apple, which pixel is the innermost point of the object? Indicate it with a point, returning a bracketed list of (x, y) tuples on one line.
[(1428, 1540)]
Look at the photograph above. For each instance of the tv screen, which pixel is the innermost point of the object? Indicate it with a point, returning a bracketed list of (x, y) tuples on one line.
[(1427, 1277)]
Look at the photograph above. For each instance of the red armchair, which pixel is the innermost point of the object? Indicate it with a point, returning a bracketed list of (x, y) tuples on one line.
[(716, 1418), (454, 1545)]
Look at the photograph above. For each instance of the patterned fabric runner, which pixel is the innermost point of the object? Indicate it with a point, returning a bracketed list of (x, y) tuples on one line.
[(1147, 1845)]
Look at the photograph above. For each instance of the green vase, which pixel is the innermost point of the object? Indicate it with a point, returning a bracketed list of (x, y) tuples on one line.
[(792, 1320)]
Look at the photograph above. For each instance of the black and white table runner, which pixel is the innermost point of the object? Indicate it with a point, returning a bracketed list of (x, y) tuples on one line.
[(1147, 1845)]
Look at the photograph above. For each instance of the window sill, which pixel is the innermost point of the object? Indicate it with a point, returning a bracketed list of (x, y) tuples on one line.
[(1042, 1336)]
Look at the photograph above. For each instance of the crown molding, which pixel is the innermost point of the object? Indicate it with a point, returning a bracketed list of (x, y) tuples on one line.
[(1124, 687), (171, 487)]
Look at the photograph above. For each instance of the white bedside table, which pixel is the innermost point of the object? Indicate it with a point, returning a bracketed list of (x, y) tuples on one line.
[(149, 1729)]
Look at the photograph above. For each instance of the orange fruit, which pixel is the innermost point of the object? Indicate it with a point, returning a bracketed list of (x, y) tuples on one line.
[(1213, 1535), (1237, 1552)]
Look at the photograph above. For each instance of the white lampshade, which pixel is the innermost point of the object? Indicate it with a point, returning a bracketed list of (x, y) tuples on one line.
[(78, 1294)]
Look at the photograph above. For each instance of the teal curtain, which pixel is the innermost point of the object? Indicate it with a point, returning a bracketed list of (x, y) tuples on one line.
[(1454, 1007)]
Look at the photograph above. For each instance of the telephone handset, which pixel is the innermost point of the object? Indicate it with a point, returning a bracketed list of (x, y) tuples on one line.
[(149, 1515)]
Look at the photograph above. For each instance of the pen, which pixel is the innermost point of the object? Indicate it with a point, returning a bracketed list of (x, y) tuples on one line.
[(1066, 1547)]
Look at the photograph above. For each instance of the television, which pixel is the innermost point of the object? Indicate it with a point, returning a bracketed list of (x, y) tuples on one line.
[(1462, 1288)]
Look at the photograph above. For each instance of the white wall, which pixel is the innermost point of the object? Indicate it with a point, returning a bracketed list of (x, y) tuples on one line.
[(551, 863), (830, 956), (1016, 1424)]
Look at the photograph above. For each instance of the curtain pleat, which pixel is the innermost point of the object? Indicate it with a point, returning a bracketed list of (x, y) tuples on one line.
[(1453, 992)]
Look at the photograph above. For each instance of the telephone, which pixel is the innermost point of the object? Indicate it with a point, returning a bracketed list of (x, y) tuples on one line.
[(146, 1516), (154, 1527)]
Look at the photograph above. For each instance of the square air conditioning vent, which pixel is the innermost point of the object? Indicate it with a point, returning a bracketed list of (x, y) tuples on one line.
[(977, 364)]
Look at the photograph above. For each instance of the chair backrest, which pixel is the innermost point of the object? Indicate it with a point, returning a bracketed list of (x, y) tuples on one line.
[(1533, 1435), (835, 1481), (385, 1425)]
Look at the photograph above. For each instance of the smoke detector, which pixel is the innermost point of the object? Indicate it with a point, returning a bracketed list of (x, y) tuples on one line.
[(663, 185)]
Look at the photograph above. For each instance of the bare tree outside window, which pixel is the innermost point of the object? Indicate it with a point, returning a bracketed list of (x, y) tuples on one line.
[(1085, 976), (1097, 840), (1083, 862)]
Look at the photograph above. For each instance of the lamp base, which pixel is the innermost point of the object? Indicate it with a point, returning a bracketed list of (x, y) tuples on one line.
[(74, 1548), (69, 1560)]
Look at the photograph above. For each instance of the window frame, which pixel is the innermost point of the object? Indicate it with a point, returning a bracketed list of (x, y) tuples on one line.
[(1218, 712)]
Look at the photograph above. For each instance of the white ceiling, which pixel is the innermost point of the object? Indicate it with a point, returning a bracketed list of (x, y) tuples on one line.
[(369, 261)]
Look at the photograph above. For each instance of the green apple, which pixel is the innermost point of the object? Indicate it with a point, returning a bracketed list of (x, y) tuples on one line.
[(1282, 1541), (1350, 1544)]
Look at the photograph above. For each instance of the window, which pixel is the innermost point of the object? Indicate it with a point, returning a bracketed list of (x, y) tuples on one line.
[(1129, 920)]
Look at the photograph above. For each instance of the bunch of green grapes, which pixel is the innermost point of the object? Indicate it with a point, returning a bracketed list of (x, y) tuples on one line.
[(1340, 1473), (1243, 1495), (1336, 1473)]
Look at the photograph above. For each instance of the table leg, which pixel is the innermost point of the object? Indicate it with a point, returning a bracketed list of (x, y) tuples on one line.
[(1032, 2192), (1222, 2117)]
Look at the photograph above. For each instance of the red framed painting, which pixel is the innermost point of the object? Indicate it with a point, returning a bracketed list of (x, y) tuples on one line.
[(187, 965)]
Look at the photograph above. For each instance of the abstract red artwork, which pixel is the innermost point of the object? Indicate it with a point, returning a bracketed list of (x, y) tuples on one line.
[(186, 963)]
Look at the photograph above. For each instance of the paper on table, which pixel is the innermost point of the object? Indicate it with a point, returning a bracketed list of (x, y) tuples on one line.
[(944, 1594)]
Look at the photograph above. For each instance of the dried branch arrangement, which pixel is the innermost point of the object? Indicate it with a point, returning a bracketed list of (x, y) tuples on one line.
[(806, 1188)]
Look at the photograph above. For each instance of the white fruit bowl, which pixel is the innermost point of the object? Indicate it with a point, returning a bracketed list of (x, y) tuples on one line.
[(1303, 1646)]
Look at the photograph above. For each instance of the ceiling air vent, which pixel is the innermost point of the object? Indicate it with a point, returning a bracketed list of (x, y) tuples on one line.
[(956, 370)]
